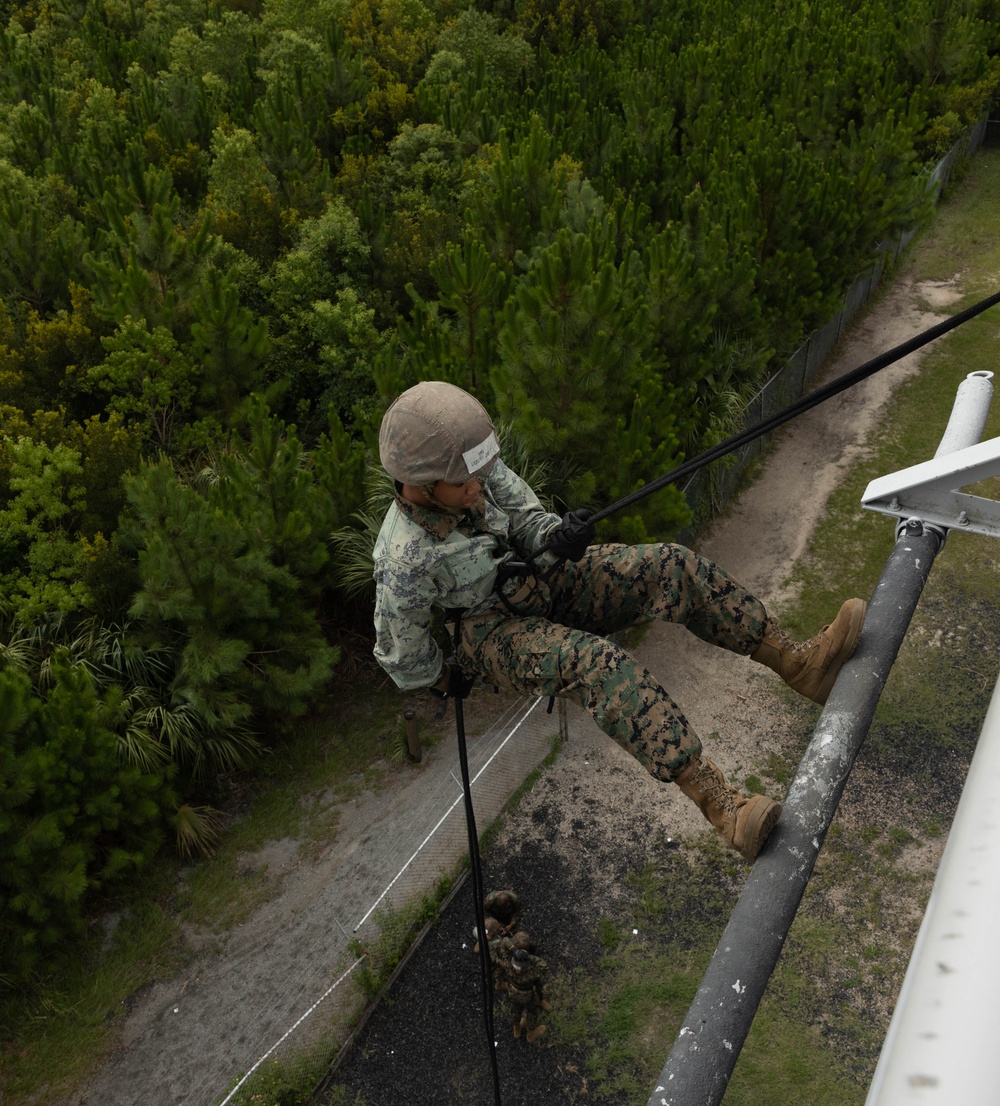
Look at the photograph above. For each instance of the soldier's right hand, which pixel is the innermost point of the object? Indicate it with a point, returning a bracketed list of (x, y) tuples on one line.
[(453, 682)]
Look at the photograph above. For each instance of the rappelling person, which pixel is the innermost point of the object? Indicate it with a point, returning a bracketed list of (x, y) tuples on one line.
[(460, 517)]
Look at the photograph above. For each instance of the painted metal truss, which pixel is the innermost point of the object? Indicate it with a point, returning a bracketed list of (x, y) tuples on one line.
[(933, 491)]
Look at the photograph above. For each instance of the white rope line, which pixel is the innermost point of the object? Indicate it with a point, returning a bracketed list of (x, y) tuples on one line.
[(288, 1032), (446, 815)]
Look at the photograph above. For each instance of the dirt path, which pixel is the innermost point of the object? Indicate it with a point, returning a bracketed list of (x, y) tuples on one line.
[(182, 1041)]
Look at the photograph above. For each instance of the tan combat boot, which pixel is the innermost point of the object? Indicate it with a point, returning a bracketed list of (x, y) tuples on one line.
[(811, 667), (743, 821), (519, 1027), (533, 1034)]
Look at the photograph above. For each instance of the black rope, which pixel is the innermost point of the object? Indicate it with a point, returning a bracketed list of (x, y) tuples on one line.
[(804, 403), (478, 890)]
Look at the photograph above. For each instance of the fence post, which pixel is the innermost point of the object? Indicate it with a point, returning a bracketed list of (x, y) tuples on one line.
[(413, 749)]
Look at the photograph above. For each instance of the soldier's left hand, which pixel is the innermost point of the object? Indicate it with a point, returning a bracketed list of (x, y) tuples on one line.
[(569, 540)]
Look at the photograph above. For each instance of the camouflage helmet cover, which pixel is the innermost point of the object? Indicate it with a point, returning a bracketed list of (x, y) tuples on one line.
[(435, 431), (492, 927)]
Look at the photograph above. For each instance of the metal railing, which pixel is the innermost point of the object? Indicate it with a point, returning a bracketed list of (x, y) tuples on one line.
[(716, 1025)]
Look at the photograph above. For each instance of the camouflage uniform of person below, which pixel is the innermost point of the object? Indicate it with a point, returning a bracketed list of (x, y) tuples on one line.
[(525, 991), (526, 974), (500, 947), (503, 910), (459, 514)]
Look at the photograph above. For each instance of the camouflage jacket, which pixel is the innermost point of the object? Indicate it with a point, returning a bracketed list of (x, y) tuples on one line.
[(526, 984), (427, 558), (501, 949)]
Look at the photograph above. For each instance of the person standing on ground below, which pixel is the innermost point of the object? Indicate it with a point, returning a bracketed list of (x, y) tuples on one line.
[(506, 907), (459, 515), (500, 947), (526, 973)]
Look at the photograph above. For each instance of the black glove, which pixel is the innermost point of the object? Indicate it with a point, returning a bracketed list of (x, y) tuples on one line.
[(569, 540), (453, 682)]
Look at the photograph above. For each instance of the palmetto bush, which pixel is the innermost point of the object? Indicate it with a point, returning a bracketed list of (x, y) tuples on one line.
[(157, 721), (74, 816)]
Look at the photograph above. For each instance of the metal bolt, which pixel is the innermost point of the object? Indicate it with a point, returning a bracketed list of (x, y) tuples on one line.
[(963, 519)]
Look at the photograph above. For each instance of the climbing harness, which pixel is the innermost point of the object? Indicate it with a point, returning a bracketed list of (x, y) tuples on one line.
[(518, 579)]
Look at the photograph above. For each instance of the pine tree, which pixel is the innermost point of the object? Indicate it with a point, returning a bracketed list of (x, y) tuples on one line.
[(229, 346), (73, 817), (148, 380), (232, 567), (578, 380), (471, 288), (148, 267)]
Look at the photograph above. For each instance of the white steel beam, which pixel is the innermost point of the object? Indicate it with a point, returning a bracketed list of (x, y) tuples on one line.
[(939, 1048), (931, 491)]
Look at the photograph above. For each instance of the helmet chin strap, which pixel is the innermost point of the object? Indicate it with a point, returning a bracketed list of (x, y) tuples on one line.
[(428, 490)]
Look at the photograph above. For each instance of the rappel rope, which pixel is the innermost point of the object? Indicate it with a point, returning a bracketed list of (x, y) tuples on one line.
[(478, 889), (527, 567)]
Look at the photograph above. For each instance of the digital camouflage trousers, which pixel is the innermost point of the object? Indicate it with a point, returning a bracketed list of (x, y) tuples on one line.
[(556, 644)]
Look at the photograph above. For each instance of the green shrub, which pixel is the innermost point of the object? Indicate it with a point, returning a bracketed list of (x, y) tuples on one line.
[(73, 817)]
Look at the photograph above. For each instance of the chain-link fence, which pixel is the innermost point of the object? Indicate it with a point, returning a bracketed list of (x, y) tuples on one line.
[(401, 857)]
